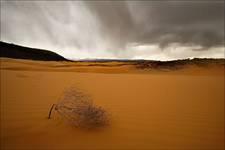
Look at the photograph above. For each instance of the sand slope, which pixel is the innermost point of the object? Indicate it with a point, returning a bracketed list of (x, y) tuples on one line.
[(182, 109)]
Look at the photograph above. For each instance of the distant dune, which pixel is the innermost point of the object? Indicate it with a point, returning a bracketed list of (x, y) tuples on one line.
[(20, 52)]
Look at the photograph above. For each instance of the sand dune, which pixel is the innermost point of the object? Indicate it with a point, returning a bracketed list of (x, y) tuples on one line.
[(151, 109)]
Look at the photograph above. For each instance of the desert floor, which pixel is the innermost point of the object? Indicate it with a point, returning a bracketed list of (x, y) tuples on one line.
[(182, 109)]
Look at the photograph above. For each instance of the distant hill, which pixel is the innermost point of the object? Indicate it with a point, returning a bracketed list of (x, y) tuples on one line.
[(20, 52), (179, 64)]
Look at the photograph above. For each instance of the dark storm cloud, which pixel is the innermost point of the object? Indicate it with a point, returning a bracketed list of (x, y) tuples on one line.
[(110, 27), (198, 23)]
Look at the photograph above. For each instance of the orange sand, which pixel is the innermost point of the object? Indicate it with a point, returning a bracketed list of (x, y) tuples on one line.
[(181, 109)]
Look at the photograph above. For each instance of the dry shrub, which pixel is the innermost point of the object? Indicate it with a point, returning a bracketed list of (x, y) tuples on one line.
[(78, 108)]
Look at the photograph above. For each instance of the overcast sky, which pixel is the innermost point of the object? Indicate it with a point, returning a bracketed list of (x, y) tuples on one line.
[(158, 30)]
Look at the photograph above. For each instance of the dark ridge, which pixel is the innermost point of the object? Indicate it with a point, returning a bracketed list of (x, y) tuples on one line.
[(20, 52)]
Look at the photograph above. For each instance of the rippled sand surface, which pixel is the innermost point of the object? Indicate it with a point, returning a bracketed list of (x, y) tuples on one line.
[(149, 110)]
